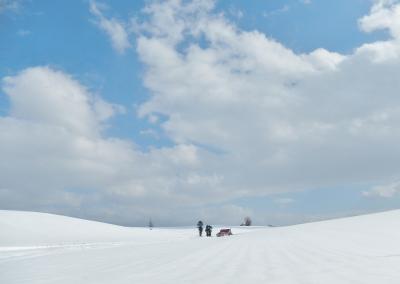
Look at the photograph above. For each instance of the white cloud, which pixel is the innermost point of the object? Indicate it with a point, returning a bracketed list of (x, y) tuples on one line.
[(56, 158), (284, 201), (384, 15), (112, 27), (10, 5), (283, 121), (284, 9), (323, 59), (247, 115), (385, 191), (71, 105)]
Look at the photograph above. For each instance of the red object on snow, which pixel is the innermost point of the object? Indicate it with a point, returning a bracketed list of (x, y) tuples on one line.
[(224, 232)]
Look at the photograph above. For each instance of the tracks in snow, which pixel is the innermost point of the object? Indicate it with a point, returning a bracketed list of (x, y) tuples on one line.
[(280, 255)]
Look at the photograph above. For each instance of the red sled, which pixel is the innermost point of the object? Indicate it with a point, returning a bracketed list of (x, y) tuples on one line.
[(224, 232)]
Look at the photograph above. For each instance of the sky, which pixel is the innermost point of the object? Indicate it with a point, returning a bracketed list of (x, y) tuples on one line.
[(122, 111)]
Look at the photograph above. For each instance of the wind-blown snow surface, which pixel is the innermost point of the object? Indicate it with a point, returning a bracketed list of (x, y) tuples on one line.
[(45, 248)]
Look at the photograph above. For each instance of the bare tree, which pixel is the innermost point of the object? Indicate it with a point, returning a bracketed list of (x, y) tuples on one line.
[(151, 225), (247, 221)]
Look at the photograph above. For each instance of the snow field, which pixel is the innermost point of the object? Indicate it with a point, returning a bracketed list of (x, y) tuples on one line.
[(45, 248)]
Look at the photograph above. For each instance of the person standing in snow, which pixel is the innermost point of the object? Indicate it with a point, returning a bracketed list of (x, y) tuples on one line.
[(208, 230), (200, 227)]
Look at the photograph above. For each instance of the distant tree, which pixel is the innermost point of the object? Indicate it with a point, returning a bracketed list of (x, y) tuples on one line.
[(151, 225), (247, 222)]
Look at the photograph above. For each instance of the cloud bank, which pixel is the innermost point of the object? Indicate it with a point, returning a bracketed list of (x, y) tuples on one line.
[(247, 116), (281, 121)]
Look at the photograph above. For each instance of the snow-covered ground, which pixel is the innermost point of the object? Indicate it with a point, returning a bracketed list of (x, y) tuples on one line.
[(45, 248)]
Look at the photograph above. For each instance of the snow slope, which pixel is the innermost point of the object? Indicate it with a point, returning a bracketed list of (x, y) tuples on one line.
[(45, 248)]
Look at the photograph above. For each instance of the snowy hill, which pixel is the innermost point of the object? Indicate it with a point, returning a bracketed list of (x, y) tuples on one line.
[(20, 229), (45, 248)]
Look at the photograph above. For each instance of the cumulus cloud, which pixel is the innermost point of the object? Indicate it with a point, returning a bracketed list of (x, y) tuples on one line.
[(70, 105), (51, 140), (55, 157), (247, 117), (114, 28), (385, 191), (384, 15), (281, 121)]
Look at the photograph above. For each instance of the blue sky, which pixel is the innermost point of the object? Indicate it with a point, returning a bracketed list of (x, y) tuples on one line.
[(67, 37), (45, 33)]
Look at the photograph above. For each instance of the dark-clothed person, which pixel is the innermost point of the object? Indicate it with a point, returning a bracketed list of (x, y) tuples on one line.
[(200, 227), (208, 230)]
